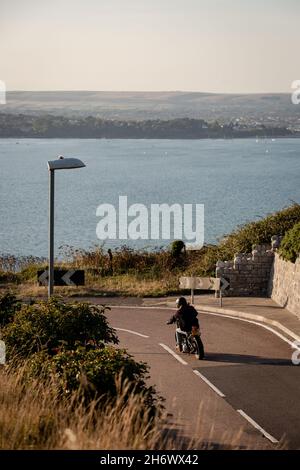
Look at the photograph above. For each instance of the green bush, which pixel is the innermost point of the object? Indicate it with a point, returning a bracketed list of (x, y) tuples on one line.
[(93, 372), (290, 245), (69, 344), (177, 247), (9, 305), (260, 232), (243, 239), (30, 272), (48, 324)]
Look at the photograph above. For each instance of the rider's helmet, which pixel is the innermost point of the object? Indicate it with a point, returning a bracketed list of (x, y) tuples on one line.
[(181, 302)]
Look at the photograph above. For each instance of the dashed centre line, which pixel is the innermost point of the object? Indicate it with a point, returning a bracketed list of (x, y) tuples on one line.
[(212, 386), (179, 359), (132, 332)]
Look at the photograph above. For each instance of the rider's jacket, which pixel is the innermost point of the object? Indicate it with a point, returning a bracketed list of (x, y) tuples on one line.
[(185, 318)]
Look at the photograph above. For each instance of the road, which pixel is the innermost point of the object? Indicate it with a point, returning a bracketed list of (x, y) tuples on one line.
[(246, 381)]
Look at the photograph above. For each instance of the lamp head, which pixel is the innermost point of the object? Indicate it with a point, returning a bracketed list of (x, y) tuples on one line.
[(65, 163)]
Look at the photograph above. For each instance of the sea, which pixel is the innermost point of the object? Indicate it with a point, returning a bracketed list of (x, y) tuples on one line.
[(237, 181)]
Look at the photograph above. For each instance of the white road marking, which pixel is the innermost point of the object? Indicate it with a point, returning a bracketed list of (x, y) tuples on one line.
[(138, 307), (222, 315), (215, 389), (173, 354), (291, 343), (132, 332), (257, 426)]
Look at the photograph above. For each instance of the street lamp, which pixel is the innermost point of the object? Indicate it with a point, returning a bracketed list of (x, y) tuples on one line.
[(60, 164)]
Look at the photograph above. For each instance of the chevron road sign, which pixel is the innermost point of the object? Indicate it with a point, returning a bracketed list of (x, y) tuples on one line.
[(224, 284), (62, 277), (203, 283)]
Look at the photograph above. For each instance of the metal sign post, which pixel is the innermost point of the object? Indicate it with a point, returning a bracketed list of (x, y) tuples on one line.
[(192, 296)]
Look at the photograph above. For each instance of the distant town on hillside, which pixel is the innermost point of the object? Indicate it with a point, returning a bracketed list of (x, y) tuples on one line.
[(147, 115)]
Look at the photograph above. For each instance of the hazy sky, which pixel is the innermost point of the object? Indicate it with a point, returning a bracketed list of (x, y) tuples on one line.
[(189, 45)]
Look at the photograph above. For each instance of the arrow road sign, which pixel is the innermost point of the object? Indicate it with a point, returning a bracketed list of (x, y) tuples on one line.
[(224, 284), (43, 278), (204, 283), (67, 277), (62, 277)]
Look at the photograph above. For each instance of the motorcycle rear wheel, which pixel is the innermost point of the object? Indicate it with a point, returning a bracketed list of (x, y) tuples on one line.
[(197, 347)]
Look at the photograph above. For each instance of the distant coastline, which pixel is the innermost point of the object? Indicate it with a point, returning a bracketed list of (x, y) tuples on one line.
[(90, 127)]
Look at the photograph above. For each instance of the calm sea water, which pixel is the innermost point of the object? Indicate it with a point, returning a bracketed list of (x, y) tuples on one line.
[(236, 180)]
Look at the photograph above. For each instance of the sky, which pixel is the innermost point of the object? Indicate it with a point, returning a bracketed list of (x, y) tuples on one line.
[(228, 46)]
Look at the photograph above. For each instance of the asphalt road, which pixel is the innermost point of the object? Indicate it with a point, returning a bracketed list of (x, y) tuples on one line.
[(247, 376)]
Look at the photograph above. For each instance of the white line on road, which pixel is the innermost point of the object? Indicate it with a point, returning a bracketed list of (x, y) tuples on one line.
[(173, 354), (257, 426), (139, 307), (291, 343), (132, 332), (215, 389), (222, 315)]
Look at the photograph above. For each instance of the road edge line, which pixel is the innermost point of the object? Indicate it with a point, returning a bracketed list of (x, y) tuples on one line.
[(262, 325), (237, 314), (257, 426), (249, 316)]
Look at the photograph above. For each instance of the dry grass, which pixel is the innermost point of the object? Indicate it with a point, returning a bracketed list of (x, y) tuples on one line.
[(32, 416), (141, 272), (134, 284), (122, 285)]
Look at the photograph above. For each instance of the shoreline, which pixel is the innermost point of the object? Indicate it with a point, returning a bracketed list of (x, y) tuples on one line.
[(295, 136)]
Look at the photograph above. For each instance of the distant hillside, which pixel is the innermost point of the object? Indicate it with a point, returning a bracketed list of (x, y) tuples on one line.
[(48, 126), (272, 108)]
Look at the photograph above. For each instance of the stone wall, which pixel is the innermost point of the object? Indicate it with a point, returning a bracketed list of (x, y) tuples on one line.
[(284, 285), (249, 273), (262, 272)]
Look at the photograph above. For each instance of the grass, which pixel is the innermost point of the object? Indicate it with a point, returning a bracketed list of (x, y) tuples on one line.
[(33, 417), (143, 273), (110, 286)]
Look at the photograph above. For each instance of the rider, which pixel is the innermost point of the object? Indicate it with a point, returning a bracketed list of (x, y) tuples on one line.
[(185, 319)]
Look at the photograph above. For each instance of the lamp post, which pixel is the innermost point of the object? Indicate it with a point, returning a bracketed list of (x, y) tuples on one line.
[(60, 164)]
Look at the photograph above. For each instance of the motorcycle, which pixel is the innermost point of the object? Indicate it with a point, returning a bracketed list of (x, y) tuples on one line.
[(190, 342)]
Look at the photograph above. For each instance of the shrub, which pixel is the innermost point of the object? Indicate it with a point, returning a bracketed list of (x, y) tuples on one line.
[(260, 232), (125, 260), (243, 239), (14, 264), (48, 324), (9, 305), (290, 245), (177, 247), (93, 372), (70, 343)]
